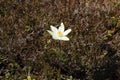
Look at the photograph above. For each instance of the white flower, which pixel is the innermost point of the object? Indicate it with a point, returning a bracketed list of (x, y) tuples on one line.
[(60, 33)]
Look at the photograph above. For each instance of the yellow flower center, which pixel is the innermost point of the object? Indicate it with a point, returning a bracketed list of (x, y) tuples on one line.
[(60, 34)]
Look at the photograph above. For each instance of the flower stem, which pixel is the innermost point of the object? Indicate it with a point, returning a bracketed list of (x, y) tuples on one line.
[(60, 46)]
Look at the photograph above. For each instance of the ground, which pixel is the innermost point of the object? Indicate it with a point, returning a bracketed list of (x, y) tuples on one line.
[(27, 50)]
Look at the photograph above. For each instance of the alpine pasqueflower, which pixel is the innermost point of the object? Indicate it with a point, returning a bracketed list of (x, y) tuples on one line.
[(60, 33)]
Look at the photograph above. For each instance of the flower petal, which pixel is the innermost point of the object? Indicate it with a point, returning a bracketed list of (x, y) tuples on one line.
[(55, 37), (50, 32), (61, 28), (54, 29), (64, 38), (67, 32)]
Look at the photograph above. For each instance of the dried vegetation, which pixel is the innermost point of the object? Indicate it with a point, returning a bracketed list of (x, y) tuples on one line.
[(93, 52)]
